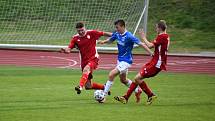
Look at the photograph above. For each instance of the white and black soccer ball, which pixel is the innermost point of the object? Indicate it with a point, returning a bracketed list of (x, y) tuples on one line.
[(99, 96)]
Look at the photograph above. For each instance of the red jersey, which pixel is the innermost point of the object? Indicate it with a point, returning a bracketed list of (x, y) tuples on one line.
[(161, 44), (86, 45)]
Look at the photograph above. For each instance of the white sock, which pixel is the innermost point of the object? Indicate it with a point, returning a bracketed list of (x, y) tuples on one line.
[(137, 89), (108, 86), (129, 83)]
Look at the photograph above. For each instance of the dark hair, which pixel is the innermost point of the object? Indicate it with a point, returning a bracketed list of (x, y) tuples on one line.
[(79, 25), (120, 22), (162, 24)]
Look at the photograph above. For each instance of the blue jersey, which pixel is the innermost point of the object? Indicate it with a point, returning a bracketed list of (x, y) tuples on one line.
[(125, 43)]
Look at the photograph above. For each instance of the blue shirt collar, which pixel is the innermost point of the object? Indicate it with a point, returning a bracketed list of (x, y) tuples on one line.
[(123, 33)]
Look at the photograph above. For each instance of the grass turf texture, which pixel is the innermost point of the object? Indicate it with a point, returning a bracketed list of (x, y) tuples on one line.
[(33, 94)]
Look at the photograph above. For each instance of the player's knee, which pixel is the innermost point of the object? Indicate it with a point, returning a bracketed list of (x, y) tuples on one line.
[(86, 69), (138, 79)]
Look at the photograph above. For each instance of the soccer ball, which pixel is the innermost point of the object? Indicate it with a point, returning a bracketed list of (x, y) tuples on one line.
[(99, 96)]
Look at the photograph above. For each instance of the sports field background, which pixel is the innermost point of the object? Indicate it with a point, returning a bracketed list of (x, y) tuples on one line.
[(47, 94), (190, 23)]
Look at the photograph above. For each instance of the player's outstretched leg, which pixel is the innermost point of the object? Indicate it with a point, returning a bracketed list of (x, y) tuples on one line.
[(95, 86)]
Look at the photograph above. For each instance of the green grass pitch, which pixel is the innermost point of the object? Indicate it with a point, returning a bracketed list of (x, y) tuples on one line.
[(47, 94)]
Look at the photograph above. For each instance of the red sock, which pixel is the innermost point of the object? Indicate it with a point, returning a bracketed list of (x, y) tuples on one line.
[(130, 90), (83, 80), (97, 86), (145, 88)]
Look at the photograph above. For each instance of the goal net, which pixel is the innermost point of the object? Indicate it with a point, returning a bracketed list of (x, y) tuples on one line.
[(46, 23)]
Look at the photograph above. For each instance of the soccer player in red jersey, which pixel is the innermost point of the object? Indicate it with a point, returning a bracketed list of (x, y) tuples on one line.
[(86, 41), (157, 63)]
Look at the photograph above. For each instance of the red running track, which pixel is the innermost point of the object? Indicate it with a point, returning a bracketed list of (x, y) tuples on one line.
[(205, 65)]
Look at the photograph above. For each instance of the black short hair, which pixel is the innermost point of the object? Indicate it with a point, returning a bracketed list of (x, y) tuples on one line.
[(79, 25), (120, 22), (162, 24)]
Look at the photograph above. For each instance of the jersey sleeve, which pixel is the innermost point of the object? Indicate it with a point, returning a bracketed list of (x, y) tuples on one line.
[(97, 34), (72, 43), (135, 40)]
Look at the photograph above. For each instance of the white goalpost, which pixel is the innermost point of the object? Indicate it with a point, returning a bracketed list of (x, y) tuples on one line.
[(39, 24)]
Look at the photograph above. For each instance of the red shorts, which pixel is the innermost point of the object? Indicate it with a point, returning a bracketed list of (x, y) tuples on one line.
[(149, 70), (92, 63)]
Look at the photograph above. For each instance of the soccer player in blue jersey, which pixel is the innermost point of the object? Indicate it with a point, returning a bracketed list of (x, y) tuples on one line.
[(125, 42)]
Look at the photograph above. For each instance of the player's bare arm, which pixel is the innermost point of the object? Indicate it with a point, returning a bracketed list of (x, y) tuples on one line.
[(143, 37), (107, 34), (143, 45), (104, 41)]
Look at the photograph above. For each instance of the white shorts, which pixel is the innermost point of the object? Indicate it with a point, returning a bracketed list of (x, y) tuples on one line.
[(123, 66)]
